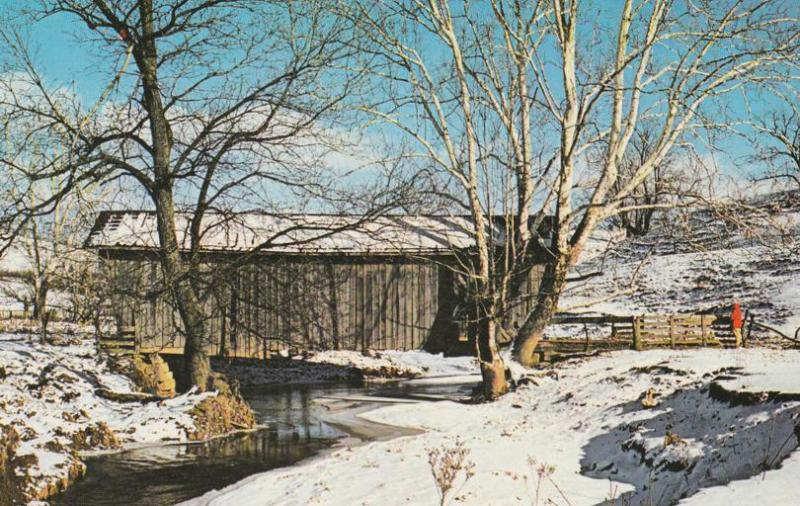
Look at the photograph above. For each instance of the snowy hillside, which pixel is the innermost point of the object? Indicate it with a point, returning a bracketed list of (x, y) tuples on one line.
[(698, 266)]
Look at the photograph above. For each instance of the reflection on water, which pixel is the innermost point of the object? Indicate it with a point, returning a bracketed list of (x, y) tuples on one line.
[(169, 474)]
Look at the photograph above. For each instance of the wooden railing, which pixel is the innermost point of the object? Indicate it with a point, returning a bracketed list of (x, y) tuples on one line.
[(639, 332), (673, 331), (123, 343)]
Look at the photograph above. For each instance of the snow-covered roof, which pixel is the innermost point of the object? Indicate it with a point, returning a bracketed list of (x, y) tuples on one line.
[(291, 233)]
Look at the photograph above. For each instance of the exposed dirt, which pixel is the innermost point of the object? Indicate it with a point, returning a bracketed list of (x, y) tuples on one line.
[(95, 437), (12, 486), (149, 372), (224, 413)]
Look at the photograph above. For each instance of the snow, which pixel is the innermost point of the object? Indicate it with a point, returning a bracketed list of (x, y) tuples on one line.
[(344, 365), (700, 267), (416, 363), (579, 434), (47, 394), (776, 488), (780, 375), (292, 233)]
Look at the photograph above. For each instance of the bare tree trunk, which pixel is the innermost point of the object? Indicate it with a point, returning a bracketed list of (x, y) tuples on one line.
[(41, 289), (493, 369), (40, 305), (176, 271), (531, 331), (177, 276)]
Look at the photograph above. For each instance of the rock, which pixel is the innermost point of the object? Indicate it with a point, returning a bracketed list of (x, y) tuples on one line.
[(11, 484)]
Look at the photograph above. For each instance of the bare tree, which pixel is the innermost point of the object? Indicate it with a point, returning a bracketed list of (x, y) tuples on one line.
[(672, 62), (458, 84), (49, 244), (210, 106), (656, 190), (781, 151), (485, 90)]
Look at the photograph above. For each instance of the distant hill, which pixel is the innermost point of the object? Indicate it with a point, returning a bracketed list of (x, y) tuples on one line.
[(699, 263)]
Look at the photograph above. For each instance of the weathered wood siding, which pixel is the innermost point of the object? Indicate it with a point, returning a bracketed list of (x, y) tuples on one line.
[(276, 303), (524, 304), (273, 305)]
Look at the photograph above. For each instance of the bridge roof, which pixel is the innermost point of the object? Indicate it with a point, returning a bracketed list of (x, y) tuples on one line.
[(291, 233)]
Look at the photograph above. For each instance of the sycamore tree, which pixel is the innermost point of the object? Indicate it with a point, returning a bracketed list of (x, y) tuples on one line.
[(529, 110), (208, 106)]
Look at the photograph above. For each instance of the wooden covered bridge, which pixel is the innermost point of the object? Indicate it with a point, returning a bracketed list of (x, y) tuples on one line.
[(307, 281)]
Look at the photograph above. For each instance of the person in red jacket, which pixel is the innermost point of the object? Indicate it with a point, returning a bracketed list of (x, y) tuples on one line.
[(737, 322)]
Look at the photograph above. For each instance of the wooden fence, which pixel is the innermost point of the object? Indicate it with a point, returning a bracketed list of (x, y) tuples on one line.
[(673, 331), (639, 332), (54, 314)]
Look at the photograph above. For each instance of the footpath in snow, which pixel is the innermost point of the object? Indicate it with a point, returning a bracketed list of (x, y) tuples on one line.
[(656, 427)]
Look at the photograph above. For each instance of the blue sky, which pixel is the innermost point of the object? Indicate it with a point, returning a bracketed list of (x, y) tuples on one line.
[(67, 61), (63, 58)]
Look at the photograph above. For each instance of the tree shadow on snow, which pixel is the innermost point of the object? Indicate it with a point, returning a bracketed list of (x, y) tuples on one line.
[(693, 439)]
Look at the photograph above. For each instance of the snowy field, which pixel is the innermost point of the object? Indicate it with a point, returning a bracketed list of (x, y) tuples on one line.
[(48, 394), (700, 269), (654, 427)]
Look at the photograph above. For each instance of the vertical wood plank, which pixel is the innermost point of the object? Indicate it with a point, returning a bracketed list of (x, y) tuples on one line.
[(637, 336), (672, 331)]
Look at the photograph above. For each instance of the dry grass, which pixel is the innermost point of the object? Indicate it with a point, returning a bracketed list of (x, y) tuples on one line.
[(447, 465)]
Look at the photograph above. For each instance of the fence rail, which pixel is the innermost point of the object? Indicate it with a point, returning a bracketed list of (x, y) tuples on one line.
[(54, 315), (640, 332)]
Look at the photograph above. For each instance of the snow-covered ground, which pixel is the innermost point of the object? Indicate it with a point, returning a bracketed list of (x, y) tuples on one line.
[(48, 395), (413, 363), (346, 365), (578, 433), (701, 266)]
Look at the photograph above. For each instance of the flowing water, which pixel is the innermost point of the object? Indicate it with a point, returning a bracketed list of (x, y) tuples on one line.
[(294, 430)]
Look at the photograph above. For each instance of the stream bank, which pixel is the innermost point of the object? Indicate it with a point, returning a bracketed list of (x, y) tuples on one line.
[(300, 422)]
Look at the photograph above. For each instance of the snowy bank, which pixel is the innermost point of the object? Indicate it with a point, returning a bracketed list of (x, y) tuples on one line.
[(701, 266), (632, 427), (325, 366), (49, 399)]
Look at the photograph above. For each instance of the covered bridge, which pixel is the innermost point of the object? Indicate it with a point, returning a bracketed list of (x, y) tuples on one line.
[(271, 282)]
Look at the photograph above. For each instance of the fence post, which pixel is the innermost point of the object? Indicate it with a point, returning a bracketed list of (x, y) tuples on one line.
[(637, 336), (749, 328), (672, 331), (703, 329)]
